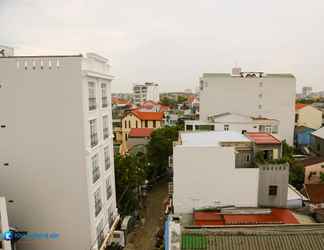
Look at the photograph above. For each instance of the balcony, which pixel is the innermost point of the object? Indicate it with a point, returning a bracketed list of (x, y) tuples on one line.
[(98, 207), (92, 103), (104, 102), (93, 139)]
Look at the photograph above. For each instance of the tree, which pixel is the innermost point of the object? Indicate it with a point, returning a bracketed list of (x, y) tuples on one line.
[(130, 175), (168, 102), (159, 148), (181, 99), (296, 175), (322, 177)]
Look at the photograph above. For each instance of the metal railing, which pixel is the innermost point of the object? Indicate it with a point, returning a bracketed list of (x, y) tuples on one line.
[(104, 102), (94, 139), (92, 103)]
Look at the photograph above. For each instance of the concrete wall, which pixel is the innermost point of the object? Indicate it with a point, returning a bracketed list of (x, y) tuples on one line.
[(206, 176), (276, 175), (275, 93), (316, 171), (43, 142), (309, 117)]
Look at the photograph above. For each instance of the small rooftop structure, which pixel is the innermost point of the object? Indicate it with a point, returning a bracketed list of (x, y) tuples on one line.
[(262, 138), (211, 138)]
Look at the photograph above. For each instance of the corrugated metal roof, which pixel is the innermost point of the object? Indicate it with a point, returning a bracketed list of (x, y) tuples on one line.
[(297, 237)]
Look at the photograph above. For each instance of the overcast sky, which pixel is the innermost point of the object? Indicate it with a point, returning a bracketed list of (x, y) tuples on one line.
[(172, 42)]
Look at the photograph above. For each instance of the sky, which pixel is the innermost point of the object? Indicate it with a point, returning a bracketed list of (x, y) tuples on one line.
[(173, 42)]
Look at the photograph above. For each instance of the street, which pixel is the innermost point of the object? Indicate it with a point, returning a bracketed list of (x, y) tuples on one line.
[(143, 236)]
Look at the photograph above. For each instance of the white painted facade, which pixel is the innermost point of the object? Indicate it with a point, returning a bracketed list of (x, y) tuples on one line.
[(146, 92), (4, 225), (205, 173), (47, 160), (309, 116), (251, 94), (235, 122)]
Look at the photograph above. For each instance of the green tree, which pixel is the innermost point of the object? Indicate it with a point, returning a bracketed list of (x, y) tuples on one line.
[(168, 102), (296, 175), (159, 149), (322, 177), (130, 175), (181, 99)]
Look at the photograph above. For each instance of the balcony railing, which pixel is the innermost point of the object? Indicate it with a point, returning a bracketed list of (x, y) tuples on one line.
[(95, 174), (105, 133), (94, 139), (92, 103), (104, 102), (98, 207), (107, 163)]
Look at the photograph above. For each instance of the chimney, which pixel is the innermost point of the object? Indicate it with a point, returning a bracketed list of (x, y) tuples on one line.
[(236, 71)]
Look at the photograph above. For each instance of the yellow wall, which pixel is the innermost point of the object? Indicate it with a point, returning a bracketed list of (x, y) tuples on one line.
[(309, 117)]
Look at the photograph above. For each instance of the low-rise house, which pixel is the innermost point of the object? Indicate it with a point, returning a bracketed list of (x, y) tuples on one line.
[(138, 119), (235, 122), (4, 225), (302, 136), (307, 116), (224, 168), (151, 106), (317, 141), (138, 138), (315, 194), (314, 168)]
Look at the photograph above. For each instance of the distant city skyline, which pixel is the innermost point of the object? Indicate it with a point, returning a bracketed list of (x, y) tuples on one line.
[(174, 43)]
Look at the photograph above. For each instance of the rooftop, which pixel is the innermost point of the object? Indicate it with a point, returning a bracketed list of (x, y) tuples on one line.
[(312, 161), (299, 106), (150, 116), (140, 132), (315, 192), (319, 133), (271, 237), (211, 138), (262, 138)]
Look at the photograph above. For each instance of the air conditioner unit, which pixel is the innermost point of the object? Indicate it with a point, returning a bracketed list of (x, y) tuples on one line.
[(119, 238)]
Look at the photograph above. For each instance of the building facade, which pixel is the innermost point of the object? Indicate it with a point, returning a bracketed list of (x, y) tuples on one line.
[(56, 146), (308, 116), (252, 94), (146, 92)]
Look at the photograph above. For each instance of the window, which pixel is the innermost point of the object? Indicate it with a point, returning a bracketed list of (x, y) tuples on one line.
[(107, 158), (108, 188), (104, 97), (226, 127), (129, 124), (244, 131), (260, 95), (248, 157), (260, 106), (273, 190), (318, 146), (265, 128), (92, 96), (154, 124), (136, 124), (296, 117), (105, 127), (95, 168), (98, 201), (125, 124), (93, 133), (189, 127), (100, 233), (146, 124), (110, 216), (274, 129)]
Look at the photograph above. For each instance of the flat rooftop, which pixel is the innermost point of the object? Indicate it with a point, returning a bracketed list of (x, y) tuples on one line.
[(211, 138)]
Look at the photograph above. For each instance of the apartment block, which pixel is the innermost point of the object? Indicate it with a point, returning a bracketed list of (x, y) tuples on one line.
[(56, 149), (255, 94), (148, 91)]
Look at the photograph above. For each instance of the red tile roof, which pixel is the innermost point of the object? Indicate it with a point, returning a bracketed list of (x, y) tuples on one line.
[(315, 192), (262, 138), (116, 100), (140, 132), (277, 216), (299, 106), (150, 116)]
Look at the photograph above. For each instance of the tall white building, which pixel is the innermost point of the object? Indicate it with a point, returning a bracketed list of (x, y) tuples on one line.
[(306, 91), (56, 149), (253, 94), (146, 92)]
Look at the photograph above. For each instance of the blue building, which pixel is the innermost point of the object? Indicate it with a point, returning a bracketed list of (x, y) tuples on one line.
[(302, 136)]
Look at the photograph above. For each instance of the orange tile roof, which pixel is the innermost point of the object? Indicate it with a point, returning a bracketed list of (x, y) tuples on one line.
[(277, 216), (262, 138), (150, 116), (116, 100), (299, 106), (140, 132)]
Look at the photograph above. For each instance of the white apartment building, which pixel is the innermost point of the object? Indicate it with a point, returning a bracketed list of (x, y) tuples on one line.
[(253, 94), (213, 168), (4, 225), (306, 91), (146, 92), (56, 149)]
